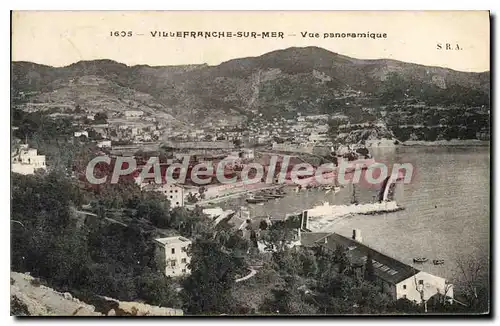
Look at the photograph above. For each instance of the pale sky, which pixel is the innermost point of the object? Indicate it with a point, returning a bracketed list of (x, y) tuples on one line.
[(59, 38)]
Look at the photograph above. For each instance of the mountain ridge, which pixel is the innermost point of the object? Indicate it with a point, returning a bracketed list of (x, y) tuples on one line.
[(250, 57), (309, 80)]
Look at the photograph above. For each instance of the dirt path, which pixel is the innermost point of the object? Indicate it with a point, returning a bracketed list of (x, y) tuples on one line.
[(244, 278)]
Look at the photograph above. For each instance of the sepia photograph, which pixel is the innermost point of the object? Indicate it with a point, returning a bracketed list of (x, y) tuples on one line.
[(250, 163)]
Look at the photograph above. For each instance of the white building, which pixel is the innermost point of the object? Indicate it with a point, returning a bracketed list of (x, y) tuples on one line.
[(248, 153), (172, 255), (81, 133), (175, 193), (134, 114), (318, 138), (104, 144), (26, 160), (399, 280)]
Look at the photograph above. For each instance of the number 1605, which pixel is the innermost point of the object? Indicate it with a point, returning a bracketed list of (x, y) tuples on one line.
[(121, 33)]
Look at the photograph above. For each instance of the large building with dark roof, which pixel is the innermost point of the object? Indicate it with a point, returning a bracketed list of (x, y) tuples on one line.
[(394, 277)]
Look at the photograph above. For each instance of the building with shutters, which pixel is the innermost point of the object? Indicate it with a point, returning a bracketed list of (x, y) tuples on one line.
[(172, 255)]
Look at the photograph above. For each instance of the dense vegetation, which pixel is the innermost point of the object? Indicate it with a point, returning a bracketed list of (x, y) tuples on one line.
[(439, 123), (111, 259)]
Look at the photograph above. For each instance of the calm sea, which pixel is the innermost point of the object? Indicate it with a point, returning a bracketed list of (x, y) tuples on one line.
[(447, 207)]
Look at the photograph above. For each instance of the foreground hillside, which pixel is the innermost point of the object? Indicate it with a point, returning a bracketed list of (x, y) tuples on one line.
[(30, 298)]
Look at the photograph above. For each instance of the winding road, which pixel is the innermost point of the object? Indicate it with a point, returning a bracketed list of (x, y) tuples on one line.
[(246, 277)]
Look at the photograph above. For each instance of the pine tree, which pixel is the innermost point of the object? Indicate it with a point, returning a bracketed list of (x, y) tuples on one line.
[(369, 271)]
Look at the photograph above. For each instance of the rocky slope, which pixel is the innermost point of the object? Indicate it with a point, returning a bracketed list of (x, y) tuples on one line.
[(30, 298)]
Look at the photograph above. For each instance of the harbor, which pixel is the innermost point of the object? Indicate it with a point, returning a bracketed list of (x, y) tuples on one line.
[(429, 225)]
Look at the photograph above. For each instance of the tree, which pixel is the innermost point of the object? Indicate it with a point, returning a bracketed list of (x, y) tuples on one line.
[(155, 209), (471, 279), (420, 289), (287, 299), (277, 237), (207, 290), (237, 143), (191, 198), (201, 192), (157, 289), (309, 263), (101, 118), (369, 270), (341, 259)]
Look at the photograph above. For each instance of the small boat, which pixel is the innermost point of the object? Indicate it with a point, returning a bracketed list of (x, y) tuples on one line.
[(420, 260), (256, 199), (281, 192), (276, 195), (270, 195), (438, 261), (266, 195)]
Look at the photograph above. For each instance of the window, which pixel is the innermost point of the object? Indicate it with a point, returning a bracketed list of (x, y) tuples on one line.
[(176, 190), (183, 260), (171, 197), (184, 270), (172, 263), (404, 287), (177, 203), (173, 250), (420, 281), (404, 296)]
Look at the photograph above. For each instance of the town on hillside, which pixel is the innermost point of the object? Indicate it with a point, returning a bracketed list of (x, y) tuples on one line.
[(297, 182)]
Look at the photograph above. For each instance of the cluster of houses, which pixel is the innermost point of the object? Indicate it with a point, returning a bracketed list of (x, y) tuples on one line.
[(301, 129), (310, 129), (391, 276), (25, 160), (130, 126)]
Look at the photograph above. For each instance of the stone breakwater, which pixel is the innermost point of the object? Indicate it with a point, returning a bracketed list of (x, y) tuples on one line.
[(323, 218)]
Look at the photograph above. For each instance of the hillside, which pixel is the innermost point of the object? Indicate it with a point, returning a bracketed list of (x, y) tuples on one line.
[(309, 80)]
